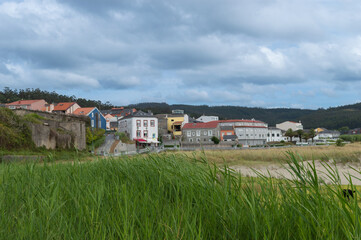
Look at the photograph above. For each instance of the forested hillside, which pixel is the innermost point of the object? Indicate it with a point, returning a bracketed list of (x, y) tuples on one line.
[(332, 118), (8, 95)]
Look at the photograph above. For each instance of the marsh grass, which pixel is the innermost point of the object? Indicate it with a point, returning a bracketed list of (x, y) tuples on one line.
[(171, 197)]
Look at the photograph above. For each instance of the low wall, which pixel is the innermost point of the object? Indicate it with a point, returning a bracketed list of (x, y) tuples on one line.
[(58, 130)]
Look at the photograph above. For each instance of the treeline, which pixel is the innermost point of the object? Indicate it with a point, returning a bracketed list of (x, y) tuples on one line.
[(9, 95), (333, 118)]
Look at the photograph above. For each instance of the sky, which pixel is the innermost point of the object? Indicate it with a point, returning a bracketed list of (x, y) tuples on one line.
[(255, 53)]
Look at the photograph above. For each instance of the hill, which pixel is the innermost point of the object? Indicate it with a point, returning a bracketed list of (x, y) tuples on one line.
[(332, 118)]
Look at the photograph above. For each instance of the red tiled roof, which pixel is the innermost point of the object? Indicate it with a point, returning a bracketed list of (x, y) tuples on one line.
[(212, 124), (250, 127), (24, 102), (83, 111), (63, 106), (239, 120)]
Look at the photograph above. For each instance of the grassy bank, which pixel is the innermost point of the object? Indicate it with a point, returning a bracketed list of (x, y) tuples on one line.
[(168, 197), (252, 157)]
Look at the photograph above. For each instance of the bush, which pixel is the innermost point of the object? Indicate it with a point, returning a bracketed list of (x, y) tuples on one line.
[(215, 140), (340, 143), (124, 138)]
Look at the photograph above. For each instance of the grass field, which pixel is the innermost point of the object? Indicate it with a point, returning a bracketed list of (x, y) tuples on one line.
[(252, 157), (169, 197)]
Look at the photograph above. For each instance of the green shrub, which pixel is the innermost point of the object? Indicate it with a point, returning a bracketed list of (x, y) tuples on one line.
[(33, 118), (124, 138), (340, 143), (14, 132), (215, 140)]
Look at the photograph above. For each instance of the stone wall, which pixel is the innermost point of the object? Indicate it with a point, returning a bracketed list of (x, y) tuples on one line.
[(58, 130)]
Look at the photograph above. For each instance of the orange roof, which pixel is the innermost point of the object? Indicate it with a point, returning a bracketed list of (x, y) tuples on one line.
[(83, 111), (24, 102), (212, 124), (63, 106)]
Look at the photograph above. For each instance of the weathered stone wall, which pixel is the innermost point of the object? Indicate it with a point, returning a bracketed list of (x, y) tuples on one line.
[(58, 130)]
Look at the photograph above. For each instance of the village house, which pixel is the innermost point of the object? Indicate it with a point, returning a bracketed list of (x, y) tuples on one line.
[(248, 132), (112, 122), (327, 134), (275, 135), (27, 104), (141, 127), (97, 119), (200, 133), (66, 107), (290, 125)]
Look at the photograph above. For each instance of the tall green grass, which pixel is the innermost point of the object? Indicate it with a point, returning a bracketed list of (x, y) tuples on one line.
[(170, 197)]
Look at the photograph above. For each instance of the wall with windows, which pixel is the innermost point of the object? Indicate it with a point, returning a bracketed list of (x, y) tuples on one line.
[(139, 127), (97, 120), (200, 135)]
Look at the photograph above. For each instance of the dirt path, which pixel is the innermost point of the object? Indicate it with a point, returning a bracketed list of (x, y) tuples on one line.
[(279, 171)]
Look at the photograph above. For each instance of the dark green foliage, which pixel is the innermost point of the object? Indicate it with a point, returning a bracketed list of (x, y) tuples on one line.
[(14, 132), (8, 95), (351, 138), (215, 140), (332, 118), (340, 143)]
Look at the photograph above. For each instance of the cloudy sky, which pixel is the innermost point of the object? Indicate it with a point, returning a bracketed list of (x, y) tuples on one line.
[(282, 53)]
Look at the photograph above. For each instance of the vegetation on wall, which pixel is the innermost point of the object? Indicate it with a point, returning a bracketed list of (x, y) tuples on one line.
[(14, 132)]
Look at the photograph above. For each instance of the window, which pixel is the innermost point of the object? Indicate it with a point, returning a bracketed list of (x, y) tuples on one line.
[(273, 134), (191, 139), (145, 133), (278, 134), (205, 133), (210, 132), (198, 133), (189, 133), (153, 135), (193, 134), (138, 123), (138, 134), (145, 123), (152, 123), (92, 122), (198, 139)]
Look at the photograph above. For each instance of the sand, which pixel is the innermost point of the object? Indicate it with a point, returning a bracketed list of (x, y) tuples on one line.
[(278, 171)]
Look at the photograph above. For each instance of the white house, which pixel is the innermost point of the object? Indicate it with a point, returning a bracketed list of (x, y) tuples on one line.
[(140, 127), (207, 118), (327, 134), (289, 124), (275, 135), (248, 132)]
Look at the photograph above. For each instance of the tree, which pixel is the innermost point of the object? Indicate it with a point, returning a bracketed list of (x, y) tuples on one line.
[(344, 130), (306, 136), (312, 133), (215, 140), (290, 134), (299, 134)]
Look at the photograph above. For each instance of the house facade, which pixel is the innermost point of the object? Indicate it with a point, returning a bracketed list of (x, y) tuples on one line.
[(66, 107), (97, 120), (142, 128), (290, 125), (328, 134), (226, 132), (27, 104), (275, 135), (200, 133), (248, 132)]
